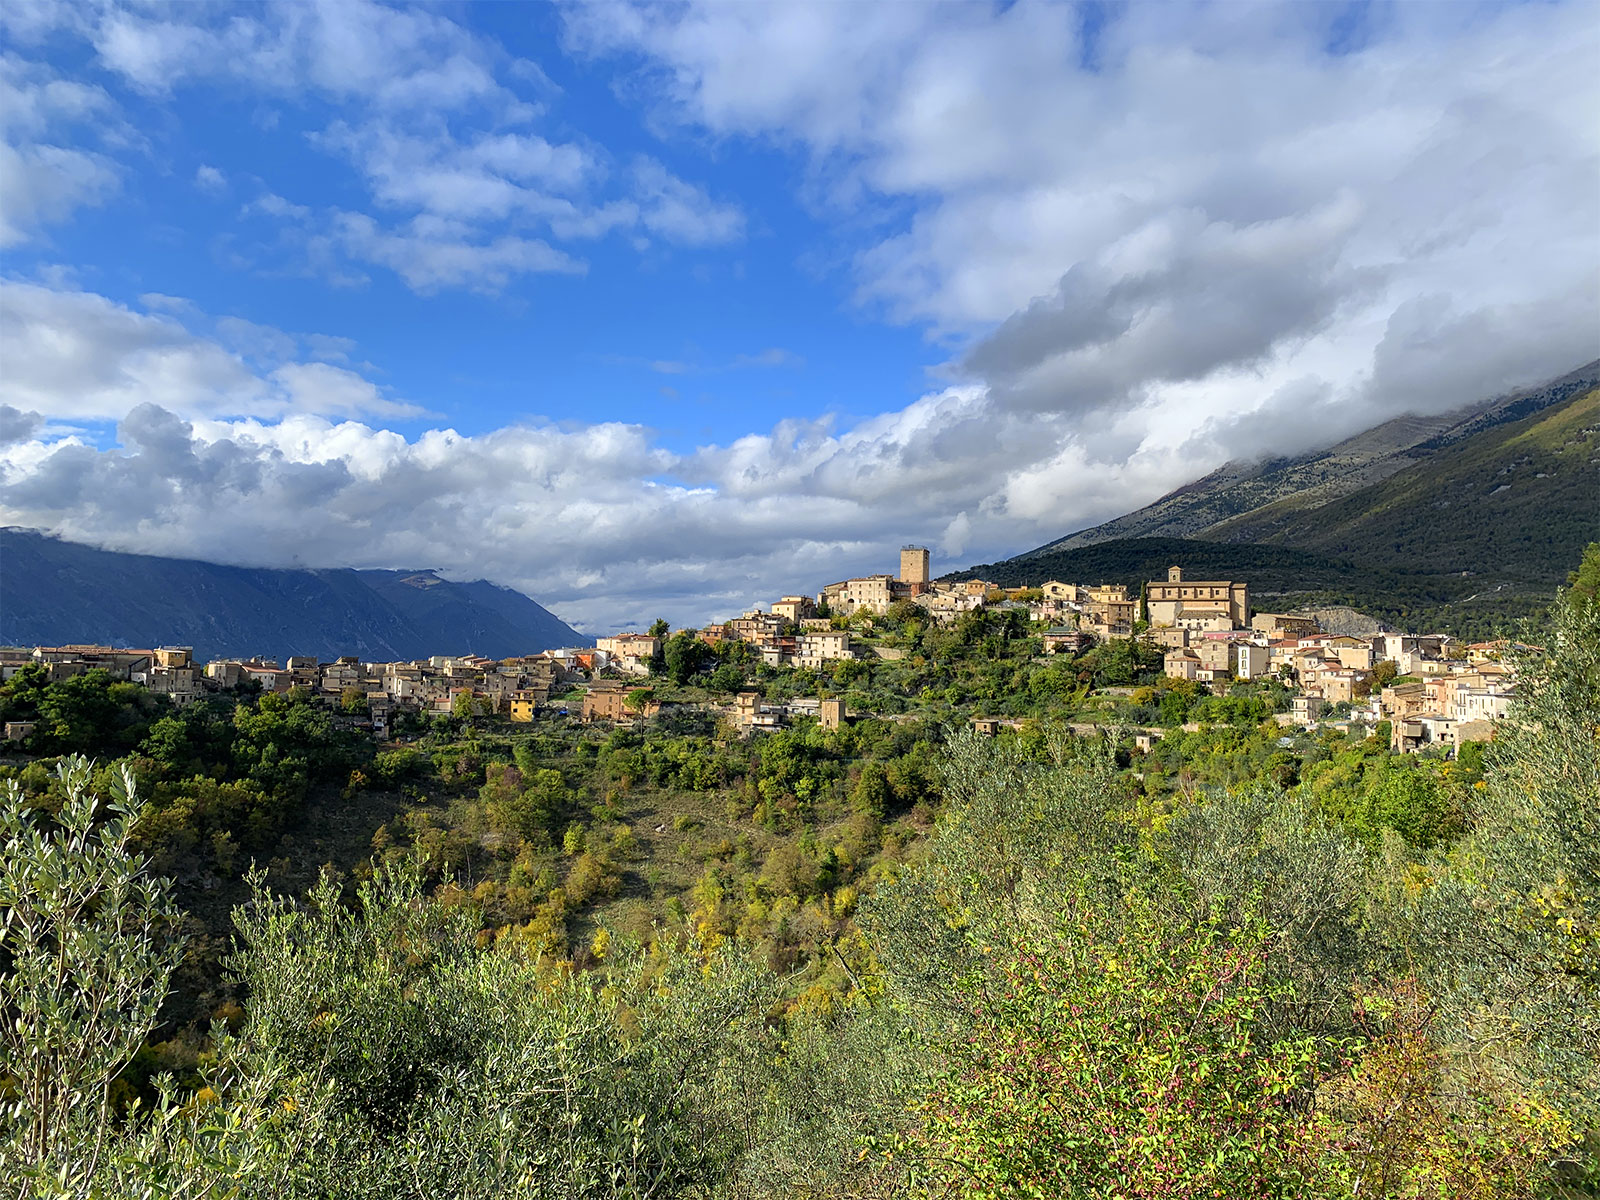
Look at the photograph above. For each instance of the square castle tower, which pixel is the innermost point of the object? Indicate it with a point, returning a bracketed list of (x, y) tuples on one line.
[(914, 567)]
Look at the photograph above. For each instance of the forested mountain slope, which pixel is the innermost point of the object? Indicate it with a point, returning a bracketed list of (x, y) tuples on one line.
[(1515, 502), (1245, 501), (53, 591)]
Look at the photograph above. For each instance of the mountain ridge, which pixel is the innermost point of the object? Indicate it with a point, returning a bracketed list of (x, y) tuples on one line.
[(1237, 488), (54, 591)]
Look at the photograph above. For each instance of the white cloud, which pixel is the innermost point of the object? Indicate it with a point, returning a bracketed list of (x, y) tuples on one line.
[(432, 253), (210, 179), (579, 518), (680, 212), (78, 356), (41, 180)]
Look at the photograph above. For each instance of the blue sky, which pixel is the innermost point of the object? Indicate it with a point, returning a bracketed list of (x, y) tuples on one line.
[(698, 333), (675, 308)]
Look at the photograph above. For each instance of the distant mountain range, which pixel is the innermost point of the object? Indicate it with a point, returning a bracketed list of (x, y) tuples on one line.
[(1459, 522), (52, 591)]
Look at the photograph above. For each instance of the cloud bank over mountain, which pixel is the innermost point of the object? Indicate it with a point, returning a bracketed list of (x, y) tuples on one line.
[(1138, 242)]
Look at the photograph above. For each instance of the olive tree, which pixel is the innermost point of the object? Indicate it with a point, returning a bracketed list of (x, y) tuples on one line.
[(88, 941)]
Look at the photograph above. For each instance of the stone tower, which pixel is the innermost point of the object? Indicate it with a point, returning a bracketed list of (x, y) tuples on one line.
[(914, 564)]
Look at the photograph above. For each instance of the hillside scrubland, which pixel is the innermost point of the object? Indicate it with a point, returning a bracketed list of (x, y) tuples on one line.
[(894, 959)]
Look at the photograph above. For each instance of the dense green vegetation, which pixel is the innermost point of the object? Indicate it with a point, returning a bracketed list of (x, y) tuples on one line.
[(1516, 503), (896, 958)]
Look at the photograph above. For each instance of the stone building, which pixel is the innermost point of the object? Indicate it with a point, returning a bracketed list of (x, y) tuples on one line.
[(914, 568), (1202, 602)]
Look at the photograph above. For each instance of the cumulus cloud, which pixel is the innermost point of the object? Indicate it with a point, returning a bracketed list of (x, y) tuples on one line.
[(78, 356), (579, 518), (43, 181), (432, 253), (18, 426)]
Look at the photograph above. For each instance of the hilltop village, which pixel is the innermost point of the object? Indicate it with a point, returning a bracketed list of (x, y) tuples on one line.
[(1432, 690)]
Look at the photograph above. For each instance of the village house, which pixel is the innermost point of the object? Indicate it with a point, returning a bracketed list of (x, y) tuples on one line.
[(755, 627), (12, 660), (1406, 650), (444, 702), (778, 650), (750, 713), (817, 649), (75, 659), (1336, 683), (1404, 700), (630, 653), (1198, 620), (1434, 729), (1065, 593), (379, 713), (1215, 655), (1250, 661), (340, 674), (1181, 664), (794, 609), (57, 669), (1306, 709), (269, 677), (225, 673), (1350, 651), (170, 671), (1281, 653), (526, 702), (872, 592), (1053, 611), (1283, 625), (1109, 612), (610, 701), (568, 664), (944, 603)]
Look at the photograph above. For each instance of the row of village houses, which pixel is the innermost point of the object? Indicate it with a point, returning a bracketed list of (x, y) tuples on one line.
[(1451, 693), (514, 687)]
